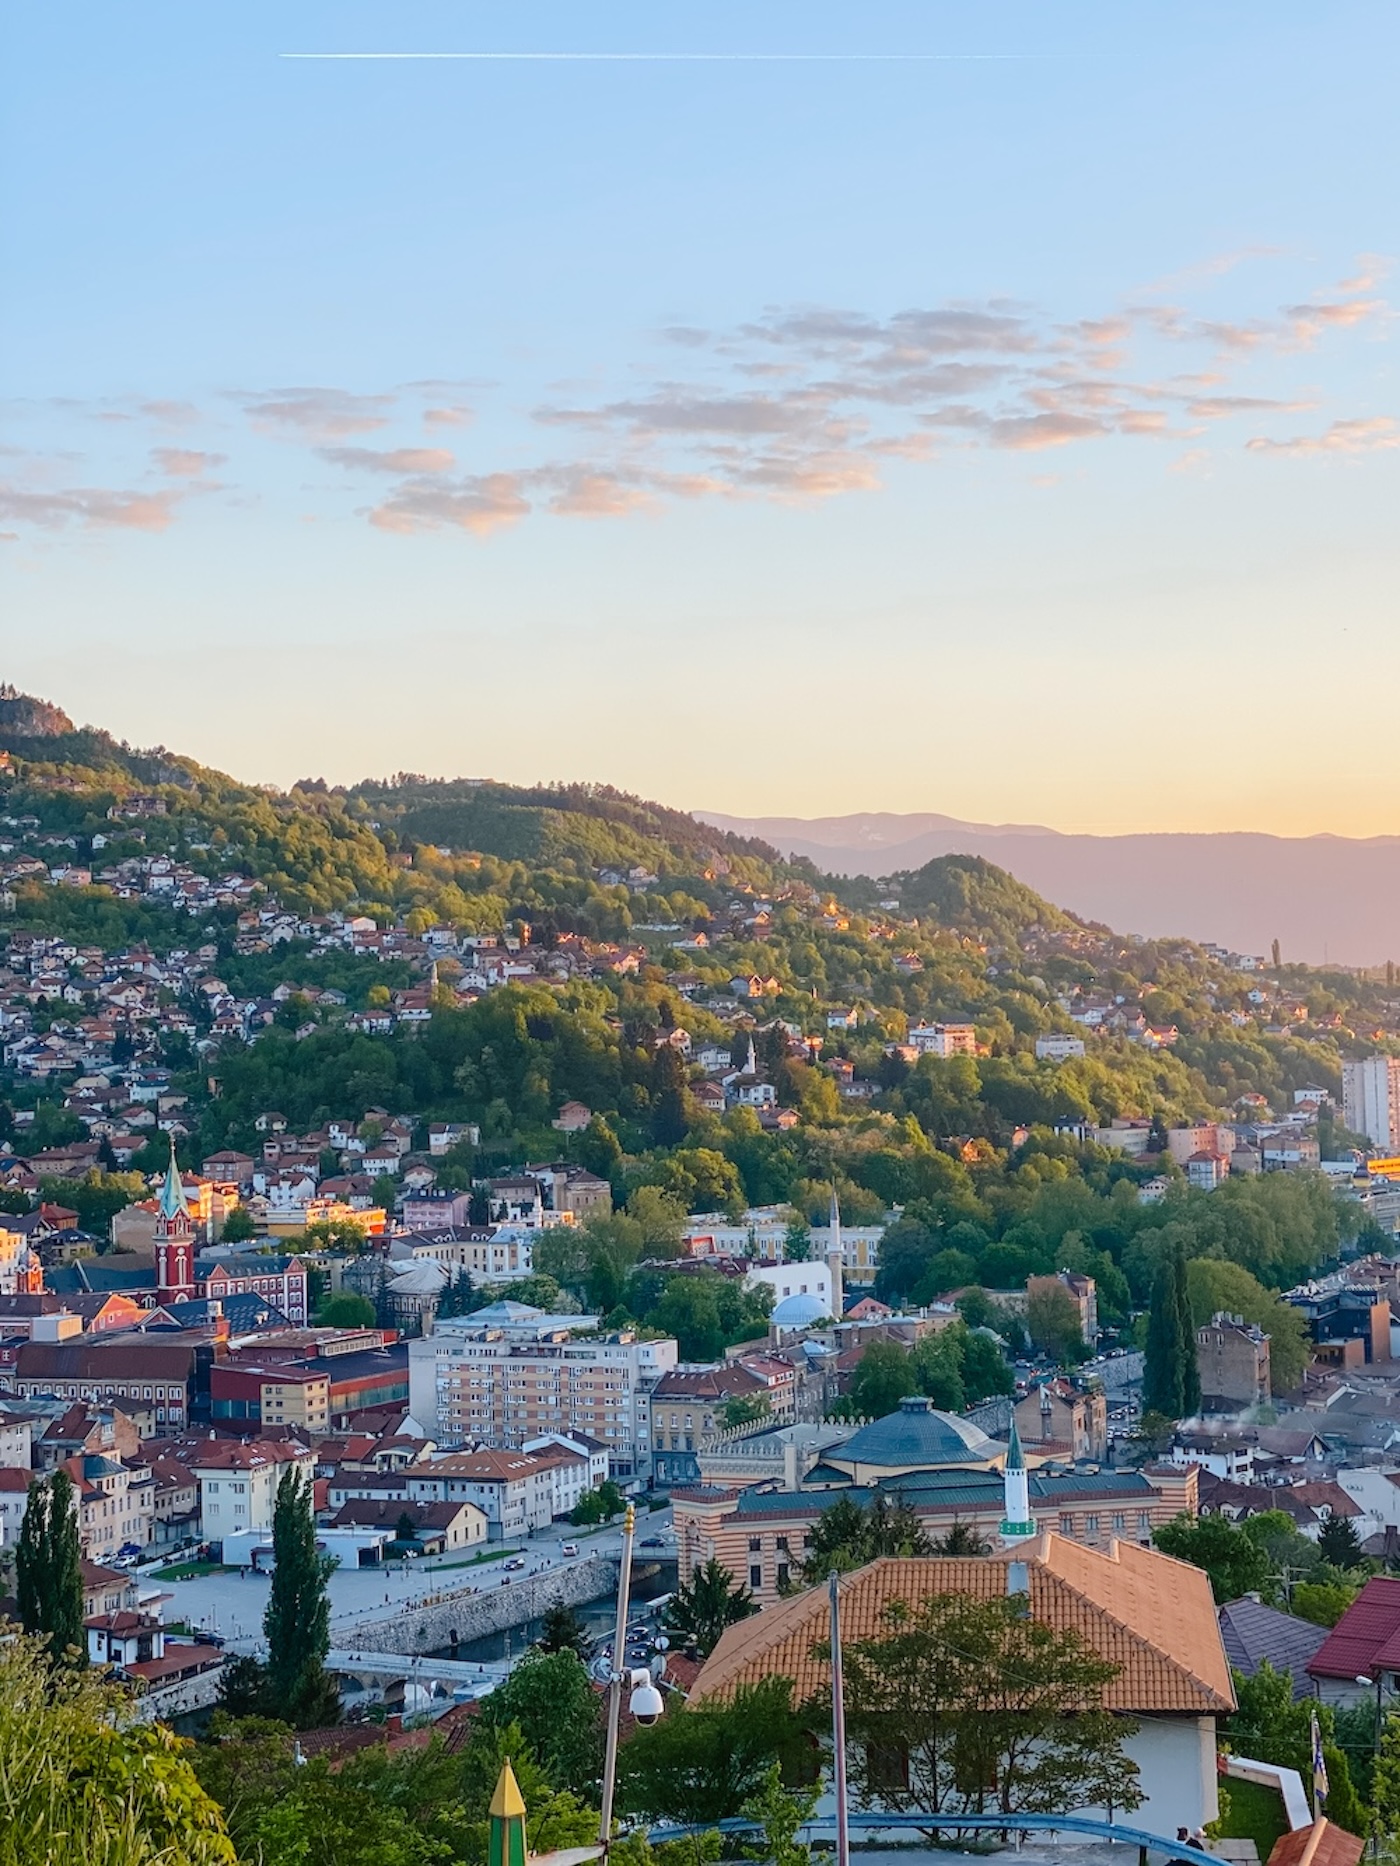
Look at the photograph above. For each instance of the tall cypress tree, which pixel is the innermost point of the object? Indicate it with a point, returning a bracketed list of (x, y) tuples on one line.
[(297, 1620), (1190, 1366), (1171, 1378), (48, 1569), (1161, 1375)]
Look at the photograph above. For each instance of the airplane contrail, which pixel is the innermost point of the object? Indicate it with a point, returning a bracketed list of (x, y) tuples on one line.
[(691, 58)]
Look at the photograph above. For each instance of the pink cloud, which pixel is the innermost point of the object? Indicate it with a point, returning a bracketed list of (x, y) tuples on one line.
[(391, 459), (326, 414), (479, 505), (1361, 435), (184, 462), (90, 507)]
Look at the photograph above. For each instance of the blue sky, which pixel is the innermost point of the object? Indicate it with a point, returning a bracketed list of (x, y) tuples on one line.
[(1009, 428)]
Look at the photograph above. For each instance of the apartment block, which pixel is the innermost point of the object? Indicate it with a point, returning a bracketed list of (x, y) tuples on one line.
[(487, 1379), (1371, 1099)]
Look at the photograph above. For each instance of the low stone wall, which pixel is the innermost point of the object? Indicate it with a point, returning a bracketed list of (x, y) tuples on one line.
[(164, 1703), (448, 1617)]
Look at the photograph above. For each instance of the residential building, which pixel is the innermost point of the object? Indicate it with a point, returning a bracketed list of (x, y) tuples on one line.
[(1371, 1099), (687, 1408), (1359, 1661), (436, 1527), (1058, 1047), (115, 1504), (509, 1372), (1153, 1617), (145, 1370), (275, 1395), (238, 1482), (513, 1490), (1061, 1420), (944, 1039), (1233, 1356), (1254, 1635)]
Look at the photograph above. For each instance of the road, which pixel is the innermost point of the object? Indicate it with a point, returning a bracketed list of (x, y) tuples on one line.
[(232, 1605)]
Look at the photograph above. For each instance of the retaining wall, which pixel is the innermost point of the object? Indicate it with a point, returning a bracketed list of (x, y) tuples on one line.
[(445, 1617)]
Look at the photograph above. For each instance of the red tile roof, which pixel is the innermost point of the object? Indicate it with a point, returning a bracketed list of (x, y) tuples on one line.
[(1368, 1634), (1321, 1844)]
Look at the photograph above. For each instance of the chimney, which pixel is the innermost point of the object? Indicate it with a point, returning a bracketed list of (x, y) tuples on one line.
[(1018, 1584)]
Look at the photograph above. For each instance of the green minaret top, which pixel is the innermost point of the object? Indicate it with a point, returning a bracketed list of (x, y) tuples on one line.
[(1014, 1460), (506, 1840)]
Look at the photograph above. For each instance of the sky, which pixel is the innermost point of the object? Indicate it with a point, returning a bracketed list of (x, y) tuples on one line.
[(781, 409)]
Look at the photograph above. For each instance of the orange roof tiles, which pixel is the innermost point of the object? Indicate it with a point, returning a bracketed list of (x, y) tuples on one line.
[(1152, 1616)]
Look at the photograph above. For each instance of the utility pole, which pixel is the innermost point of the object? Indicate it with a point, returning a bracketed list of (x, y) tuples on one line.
[(617, 1678), (838, 1725)]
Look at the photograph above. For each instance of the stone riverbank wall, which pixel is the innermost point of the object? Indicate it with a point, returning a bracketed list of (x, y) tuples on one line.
[(445, 1618)]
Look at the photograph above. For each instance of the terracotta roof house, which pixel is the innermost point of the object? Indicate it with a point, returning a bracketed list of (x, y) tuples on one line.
[(1152, 1616)]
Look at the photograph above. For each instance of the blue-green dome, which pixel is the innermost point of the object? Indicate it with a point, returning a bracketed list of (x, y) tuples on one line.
[(919, 1437)]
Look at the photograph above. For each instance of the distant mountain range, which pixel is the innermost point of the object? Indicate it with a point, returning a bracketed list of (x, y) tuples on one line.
[(1322, 897)]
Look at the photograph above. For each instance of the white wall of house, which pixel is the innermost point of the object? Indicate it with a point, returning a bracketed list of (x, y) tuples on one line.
[(1375, 1493), (1176, 1765)]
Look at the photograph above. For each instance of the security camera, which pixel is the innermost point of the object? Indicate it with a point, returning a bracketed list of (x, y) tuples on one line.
[(646, 1703)]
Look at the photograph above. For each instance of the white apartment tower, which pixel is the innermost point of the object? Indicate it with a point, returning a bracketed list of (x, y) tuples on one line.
[(1371, 1099)]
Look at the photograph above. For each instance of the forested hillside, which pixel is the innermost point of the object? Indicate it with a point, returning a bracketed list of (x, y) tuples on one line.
[(514, 950)]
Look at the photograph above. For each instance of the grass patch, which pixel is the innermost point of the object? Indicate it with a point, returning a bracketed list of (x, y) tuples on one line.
[(472, 1561), (190, 1570), (1255, 1813)]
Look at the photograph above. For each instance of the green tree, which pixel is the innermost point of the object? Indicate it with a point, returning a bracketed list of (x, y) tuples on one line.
[(884, 1375), (1322, 1602), (847, 1535), (1236, 1565), (1053, 1322), (556, 1816), (1338, 1543), (550, 1698), (1171, 1380), (744, 1409), (297, 1621), (345, 1309), (562, 1631), (598, 1506), (972, 1706), (781, 1814), (81, 1784), (48, 1569), (699, 1766), (703, 1606), (239, 1227)]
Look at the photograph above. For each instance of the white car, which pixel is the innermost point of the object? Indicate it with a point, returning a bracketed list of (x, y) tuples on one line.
[(569, 1548)]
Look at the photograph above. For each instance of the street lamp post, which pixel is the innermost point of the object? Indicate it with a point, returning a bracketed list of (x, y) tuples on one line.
[(646, 1702)]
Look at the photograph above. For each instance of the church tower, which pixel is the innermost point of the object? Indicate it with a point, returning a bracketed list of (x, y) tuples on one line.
[(1017, 1526), (174, 1239)]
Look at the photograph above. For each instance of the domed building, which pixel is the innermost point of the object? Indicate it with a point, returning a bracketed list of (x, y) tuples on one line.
[(915, 1437), (795, 1313)]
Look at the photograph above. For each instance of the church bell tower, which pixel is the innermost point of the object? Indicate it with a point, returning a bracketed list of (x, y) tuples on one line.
[(174, 1239)]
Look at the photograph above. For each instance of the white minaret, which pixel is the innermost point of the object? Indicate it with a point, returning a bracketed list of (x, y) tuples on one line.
[(1016, 1526), (751, 1061), (836, 1257)]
